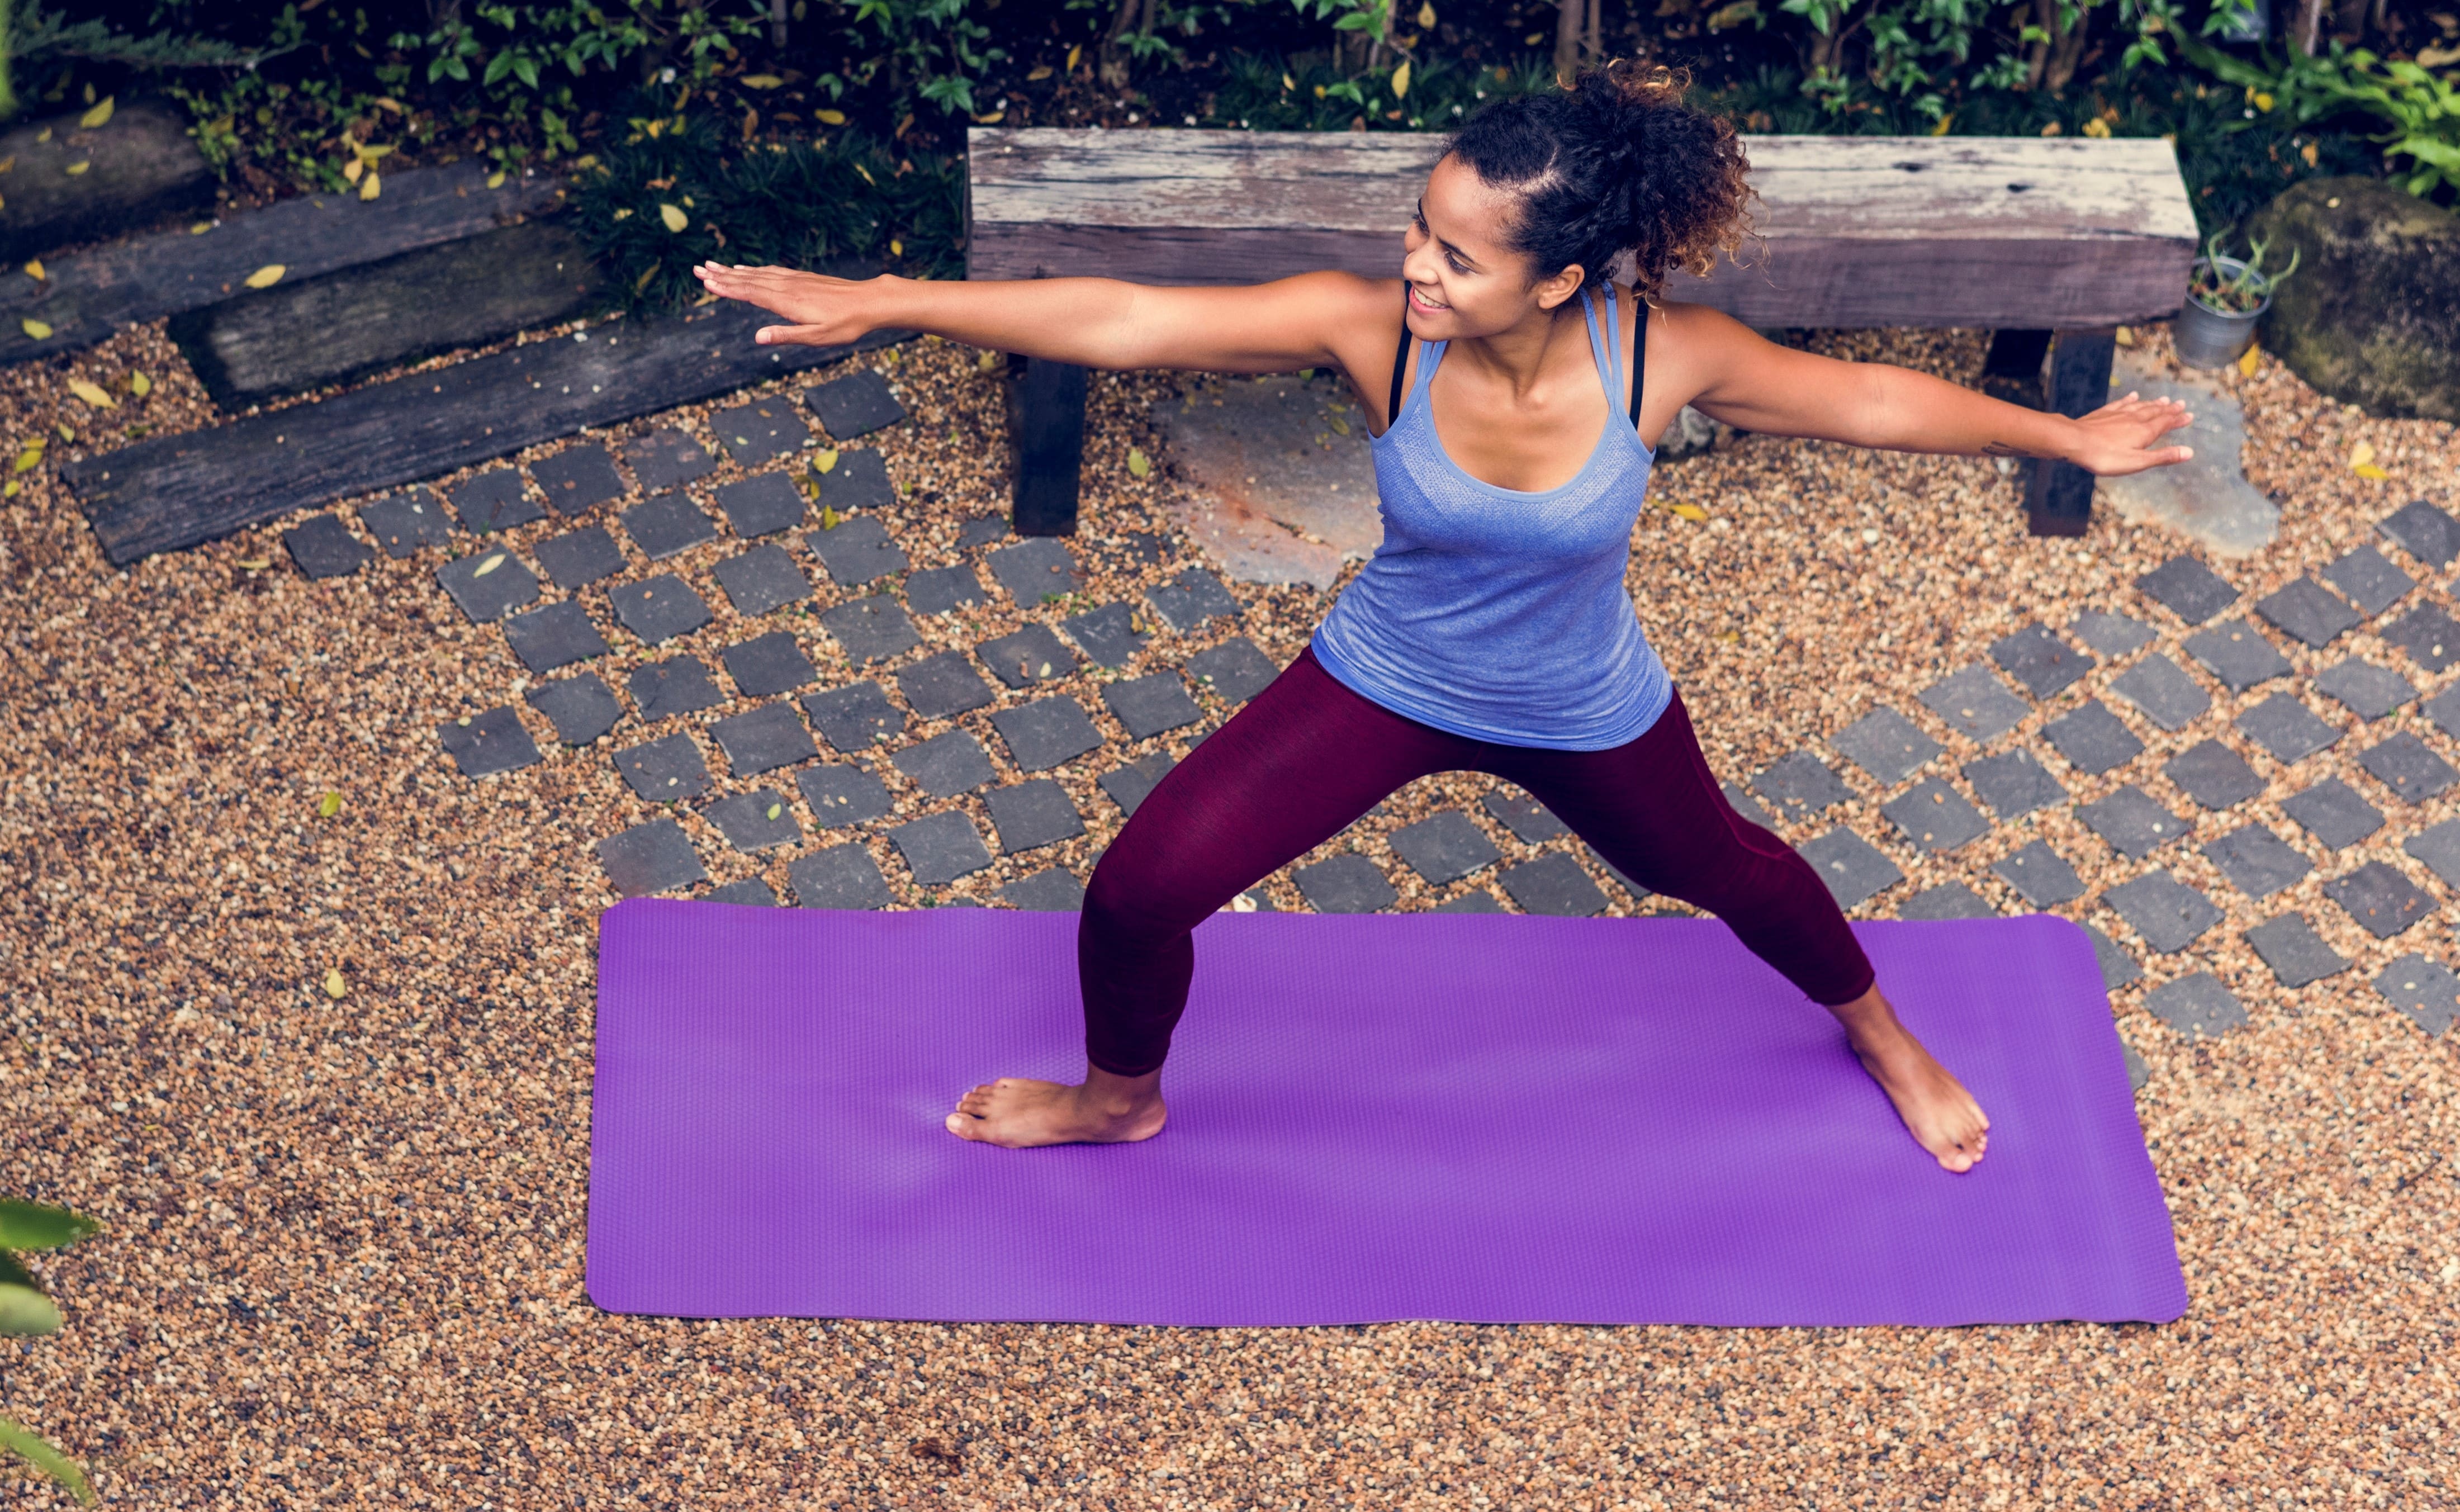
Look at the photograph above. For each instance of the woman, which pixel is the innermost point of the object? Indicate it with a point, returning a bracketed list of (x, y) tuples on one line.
[(1492, 630)]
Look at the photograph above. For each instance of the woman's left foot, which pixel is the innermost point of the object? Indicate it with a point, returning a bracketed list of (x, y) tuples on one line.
[(1939, 1114)]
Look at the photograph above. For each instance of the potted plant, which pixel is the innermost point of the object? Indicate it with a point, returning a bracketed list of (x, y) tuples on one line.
[(2225, 297)]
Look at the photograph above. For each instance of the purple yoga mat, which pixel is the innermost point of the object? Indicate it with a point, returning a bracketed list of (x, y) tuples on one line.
[(1483, 1119)]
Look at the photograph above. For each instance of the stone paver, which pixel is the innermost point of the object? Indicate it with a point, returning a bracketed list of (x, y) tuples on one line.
[(1237, 670), (2405, 765), (871, 629), (2040, 875), (945, 765), (2036, 657), (1151, 705), (2162, 688), (496, 500), (981, 530), (2295, 953), (2424, 532), (1053, 889), (486, 743), (935, 591), (2257, 861), (1554, 884), (2117, 967), (681, 685), (579, 558), (1975, 702), (664, 770), (1746, 806), (761, 505), (1192, 598), (488, 583), (763, 739), (1345, 884), (2444, 708), (667, 526), (1800, 785), (856, 551), (839, 795), (749, 892), (2187, 588), (2424, 991), (1885, 744), (1477, 900), (839, 876), (2236, 652), (859, 481), (2164, 912), (1444, 847), (1854, 870), (2428, 635), (1107, 634), (556, 637), (2334, 813), (2014, 784), (651, 858), (2286, 727), (1027, 656), (1047, 733), (855, 405), (2212, 775), (2439, 848), (945, 686), (939, 848), (2369, 580), (2195, 1005), (667, 457), (2093, 739), (1949, 899), (762, 430), (581, 709), (2308, 610), (2133, 822), (658, 609), (577, 479), (761, 579), (1129, 783), (1035, 570), (2364, 688), (1530, 821), (1935, 816), (2382, 900), (2112, 635), (1032, 814), (406, 523), (759, 819)]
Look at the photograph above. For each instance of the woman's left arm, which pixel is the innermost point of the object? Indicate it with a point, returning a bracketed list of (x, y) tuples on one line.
[(1734, 375)]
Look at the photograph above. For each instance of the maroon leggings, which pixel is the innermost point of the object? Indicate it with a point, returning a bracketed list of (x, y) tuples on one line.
[(1309, 756)]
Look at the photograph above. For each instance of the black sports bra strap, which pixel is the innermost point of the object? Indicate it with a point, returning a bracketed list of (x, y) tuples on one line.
[(1638, 354), (1400, 362)]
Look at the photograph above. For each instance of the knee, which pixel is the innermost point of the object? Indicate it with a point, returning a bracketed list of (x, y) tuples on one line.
[(1132, 897)]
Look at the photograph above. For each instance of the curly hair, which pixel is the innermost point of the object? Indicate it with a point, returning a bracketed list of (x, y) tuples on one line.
[(1615, 163)]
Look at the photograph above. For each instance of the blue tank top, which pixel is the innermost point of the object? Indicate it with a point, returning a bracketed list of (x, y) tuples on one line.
[(1496, 613)]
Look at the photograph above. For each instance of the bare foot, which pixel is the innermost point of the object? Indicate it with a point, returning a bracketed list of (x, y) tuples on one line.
[(1019, 1112), (1939, 1114)]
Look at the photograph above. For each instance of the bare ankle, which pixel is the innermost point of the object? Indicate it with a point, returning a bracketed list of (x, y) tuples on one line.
[(1115, 1096)]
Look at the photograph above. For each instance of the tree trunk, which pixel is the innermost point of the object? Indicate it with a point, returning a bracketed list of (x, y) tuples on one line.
[(2310, 25), (1568, 16), (1111, 64), (2351, 24), (1597, 41), (776, 23), (2068, 51)]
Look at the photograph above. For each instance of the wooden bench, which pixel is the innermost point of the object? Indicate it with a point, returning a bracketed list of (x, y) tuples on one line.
[(2031, 238)]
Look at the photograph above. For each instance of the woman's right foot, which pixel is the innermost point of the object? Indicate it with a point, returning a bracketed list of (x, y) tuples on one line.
[(1937, 1110), (1020, 1113)]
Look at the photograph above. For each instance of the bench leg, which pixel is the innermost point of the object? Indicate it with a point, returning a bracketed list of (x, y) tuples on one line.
[(2058, 497), (1046, 418), (2013, 370)]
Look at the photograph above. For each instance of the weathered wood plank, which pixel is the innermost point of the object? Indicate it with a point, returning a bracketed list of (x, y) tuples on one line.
[(140, 167), (1933, 232), (353, 321), (176, 491), (145, 278)]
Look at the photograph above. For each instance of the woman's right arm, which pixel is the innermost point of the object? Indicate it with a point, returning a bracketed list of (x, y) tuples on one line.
[(1314, 320)]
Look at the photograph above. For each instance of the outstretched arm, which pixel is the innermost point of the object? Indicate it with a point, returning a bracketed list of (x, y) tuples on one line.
[(1739, 377)]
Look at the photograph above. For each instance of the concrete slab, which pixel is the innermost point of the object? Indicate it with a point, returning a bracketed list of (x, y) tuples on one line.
[(1285, 477), (2208, 499)]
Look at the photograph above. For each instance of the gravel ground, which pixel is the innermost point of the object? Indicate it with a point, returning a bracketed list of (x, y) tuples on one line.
[(342, 1257)]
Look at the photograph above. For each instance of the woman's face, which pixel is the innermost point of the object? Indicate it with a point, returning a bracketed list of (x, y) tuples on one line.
[(1463, 280)]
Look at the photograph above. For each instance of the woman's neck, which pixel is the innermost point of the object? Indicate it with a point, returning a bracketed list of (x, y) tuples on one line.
[(1527, 357)]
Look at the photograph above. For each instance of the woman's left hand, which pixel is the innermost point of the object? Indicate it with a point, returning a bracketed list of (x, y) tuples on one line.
[(2119, 437)]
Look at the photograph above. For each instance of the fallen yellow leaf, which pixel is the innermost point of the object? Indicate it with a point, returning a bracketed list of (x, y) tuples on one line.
[(775, 809), (761, 82), (496, 180), (370, 186), (987, 361), (30, 458), (1401, 81), (35, 270), (8, 162), (1041, 72), (329, 805), (829, 517), (140, 385), (896, 247), (36, 329), (1426, 15), (1074, 54), (648, 273), (387, 102), (1691, 512), (335, 987), (12, 489), (256, 563), (2126, 336), (489, 566), (93, 394), (1138, 462), (2370, 470), (825, 459), (2246, 364), (351, 169), (79, 166), (200, 228), (831, 118), (98, 114), (266, 277), (673, 216), (2362, 454)]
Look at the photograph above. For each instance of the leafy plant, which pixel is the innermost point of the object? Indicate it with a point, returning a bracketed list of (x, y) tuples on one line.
[(24, 1309), (935, 49), (2243, 292), (38, 33), (2421, 108)]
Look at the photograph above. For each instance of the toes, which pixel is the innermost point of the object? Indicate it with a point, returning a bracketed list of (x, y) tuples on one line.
[(960, 1125)]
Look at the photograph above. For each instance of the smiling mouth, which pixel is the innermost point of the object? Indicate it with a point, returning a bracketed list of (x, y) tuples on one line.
[(1418, 298)]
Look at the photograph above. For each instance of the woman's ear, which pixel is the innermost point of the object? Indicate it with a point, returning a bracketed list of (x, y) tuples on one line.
[(1553, 291)]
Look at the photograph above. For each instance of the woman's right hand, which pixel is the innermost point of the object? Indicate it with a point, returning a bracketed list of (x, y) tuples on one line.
[(821, 311)]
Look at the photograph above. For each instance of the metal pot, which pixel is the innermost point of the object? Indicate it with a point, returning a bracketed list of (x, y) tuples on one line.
[(2205, 337)]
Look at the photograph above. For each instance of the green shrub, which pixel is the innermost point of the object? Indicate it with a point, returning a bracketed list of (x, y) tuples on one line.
[(24, 1309)]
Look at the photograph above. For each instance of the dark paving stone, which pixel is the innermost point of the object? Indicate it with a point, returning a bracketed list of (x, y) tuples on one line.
[(1032, 655), (752, 434), (1129, 785), (554, 637), (1745, 806), (658, 609), (1149, 706), (2307, 611), (1046, 732), (666, 458), (935, 591), (2334, 813), (1035, 570), (2138, 1073), (761, 579), (1949, 899), (839, 795), (2187, 588), (2014, 784), (2424, 532), (1139, 549), (2195, 1005), (1800, 785), (1192, 598), (755, 821), (1975, 702), (2167, 913), (2117, 967), (2365, 689), (1533, 822), (486, 743), (1854, 869), (2040, 660), (663, 770), (1237, 670), (751, 892), (324, 547), (981, 530), (2286, 727), (2369, 579), (1032, 814), (763, 739), (1107, 634), (1444, 845), (2212, 775), (577, 478), (1476, 900), (1936, 817), (495, 500), (856, 404), (871, 629), (582, 708), (488, 583), (1886, 744), (859, 482), (2424, 991), (681, 685), (2427, 634), (857, 551), (668, 524), (1554, 884), (2295, 953), (840, 877), (2162, 688), (2403, 765), (939, 848), (762, 505), (2093, 739), (944, 685), (2380, 899), (2040, 875), (651, 858), (1351, 884), (2111, 634), (2444, 708), (407, 522), (2236, 652), (768, 664), (1053, 889), (945, 765), (2257, 861), (2132, 822), (855, 717), (579, 558), (2439, 847)]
